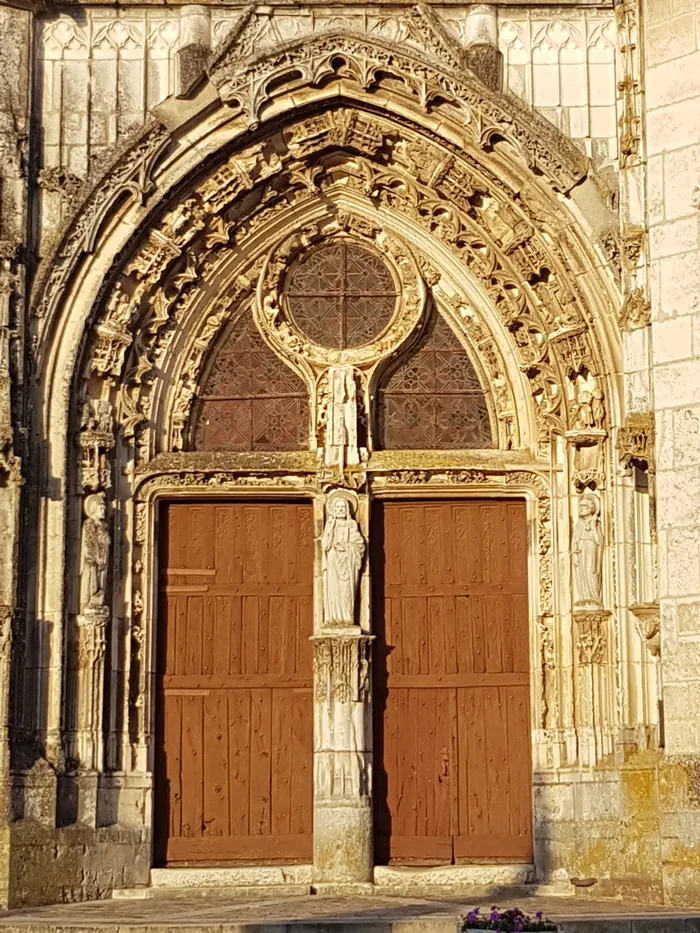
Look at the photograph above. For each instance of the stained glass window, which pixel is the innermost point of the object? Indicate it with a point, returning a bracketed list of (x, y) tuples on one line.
[(341, 295), (432, 398), (250, 399)]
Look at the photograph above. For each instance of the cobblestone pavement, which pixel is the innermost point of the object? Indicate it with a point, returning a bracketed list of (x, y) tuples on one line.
[(204, 910)]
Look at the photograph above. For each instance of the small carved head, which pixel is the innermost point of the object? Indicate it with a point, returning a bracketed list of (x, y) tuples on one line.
[(96, 506), (588, 504), (340, 504)]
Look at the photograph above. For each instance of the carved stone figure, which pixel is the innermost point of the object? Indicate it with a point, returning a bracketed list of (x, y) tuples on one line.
[(339, 411), (343, 550), (95, 554), (598, 409), (587, 553)]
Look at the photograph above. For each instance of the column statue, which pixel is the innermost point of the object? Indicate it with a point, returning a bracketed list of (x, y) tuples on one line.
[(343, 551), (95, 554), (587, 553)]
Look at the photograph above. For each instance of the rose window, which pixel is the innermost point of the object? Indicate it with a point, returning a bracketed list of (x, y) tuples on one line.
[(341, 295)]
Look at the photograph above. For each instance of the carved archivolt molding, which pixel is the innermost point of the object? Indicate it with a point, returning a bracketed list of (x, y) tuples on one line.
[(433, 77), (196, 244)]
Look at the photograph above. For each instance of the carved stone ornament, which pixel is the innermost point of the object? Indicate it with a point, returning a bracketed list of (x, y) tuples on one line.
[(339, 410), (60, 181), (635, 441), (591, 635), (94, 562), (251, 82), (342, 668), (587, 554), (636, 310), (343, 552), (96, 440), (548, 661), (647, 619), (629, 86)]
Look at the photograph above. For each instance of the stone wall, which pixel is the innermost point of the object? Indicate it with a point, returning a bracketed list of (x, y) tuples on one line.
[(672, 80)]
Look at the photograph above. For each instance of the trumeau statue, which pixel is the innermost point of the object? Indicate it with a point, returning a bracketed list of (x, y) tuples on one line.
[(95, 554), (343, 550), (587, 552)]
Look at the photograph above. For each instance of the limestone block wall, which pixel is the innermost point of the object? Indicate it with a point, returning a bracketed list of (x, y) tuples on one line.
[(672, 58)]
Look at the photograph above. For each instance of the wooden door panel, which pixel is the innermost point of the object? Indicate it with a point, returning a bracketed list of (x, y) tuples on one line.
[(452, 729), (234, 768)]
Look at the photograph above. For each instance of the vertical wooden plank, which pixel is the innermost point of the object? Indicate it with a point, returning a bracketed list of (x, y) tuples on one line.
[(209, 627), (462, 636), (442, 765), (239, 739), (222, 629), (435, 634), (193, 639), (260, 761), (192, 758), (304, 631), (225, 553), (281, 762), (519, 762), (215, 768), (180, 634), (507, 624), (301, 810), (497, 759), (412, 628), (493, 610), (477, 625), (250, 634), (172, 731), (474, 740)]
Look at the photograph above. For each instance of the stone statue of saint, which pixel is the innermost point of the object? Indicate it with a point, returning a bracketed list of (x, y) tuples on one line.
[(94, 554), (587, 554), (343, 550)]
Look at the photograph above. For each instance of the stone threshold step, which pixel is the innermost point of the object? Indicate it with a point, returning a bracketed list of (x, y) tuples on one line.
[(651, 923)]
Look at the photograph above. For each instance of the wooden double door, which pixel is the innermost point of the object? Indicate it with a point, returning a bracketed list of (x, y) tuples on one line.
[(452, 771)]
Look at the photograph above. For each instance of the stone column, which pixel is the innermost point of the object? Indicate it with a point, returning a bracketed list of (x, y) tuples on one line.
[(342, 693), (342, 758)]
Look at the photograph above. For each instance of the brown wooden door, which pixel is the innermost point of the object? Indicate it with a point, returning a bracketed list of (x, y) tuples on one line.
[(451, 694), (234, 697)]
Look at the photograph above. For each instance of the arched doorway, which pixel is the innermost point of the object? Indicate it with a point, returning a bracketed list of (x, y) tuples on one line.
[(215, 373)]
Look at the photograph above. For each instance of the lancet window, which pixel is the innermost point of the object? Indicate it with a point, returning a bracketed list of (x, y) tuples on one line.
[(250, 399), (433, 398)]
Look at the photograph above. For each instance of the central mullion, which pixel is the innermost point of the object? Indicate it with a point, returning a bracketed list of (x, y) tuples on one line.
[(344, 300)]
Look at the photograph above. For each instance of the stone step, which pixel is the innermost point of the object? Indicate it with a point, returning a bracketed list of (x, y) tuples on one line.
[(194, 879)]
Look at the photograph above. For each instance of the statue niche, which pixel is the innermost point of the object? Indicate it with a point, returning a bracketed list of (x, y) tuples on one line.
[(343, 551)]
